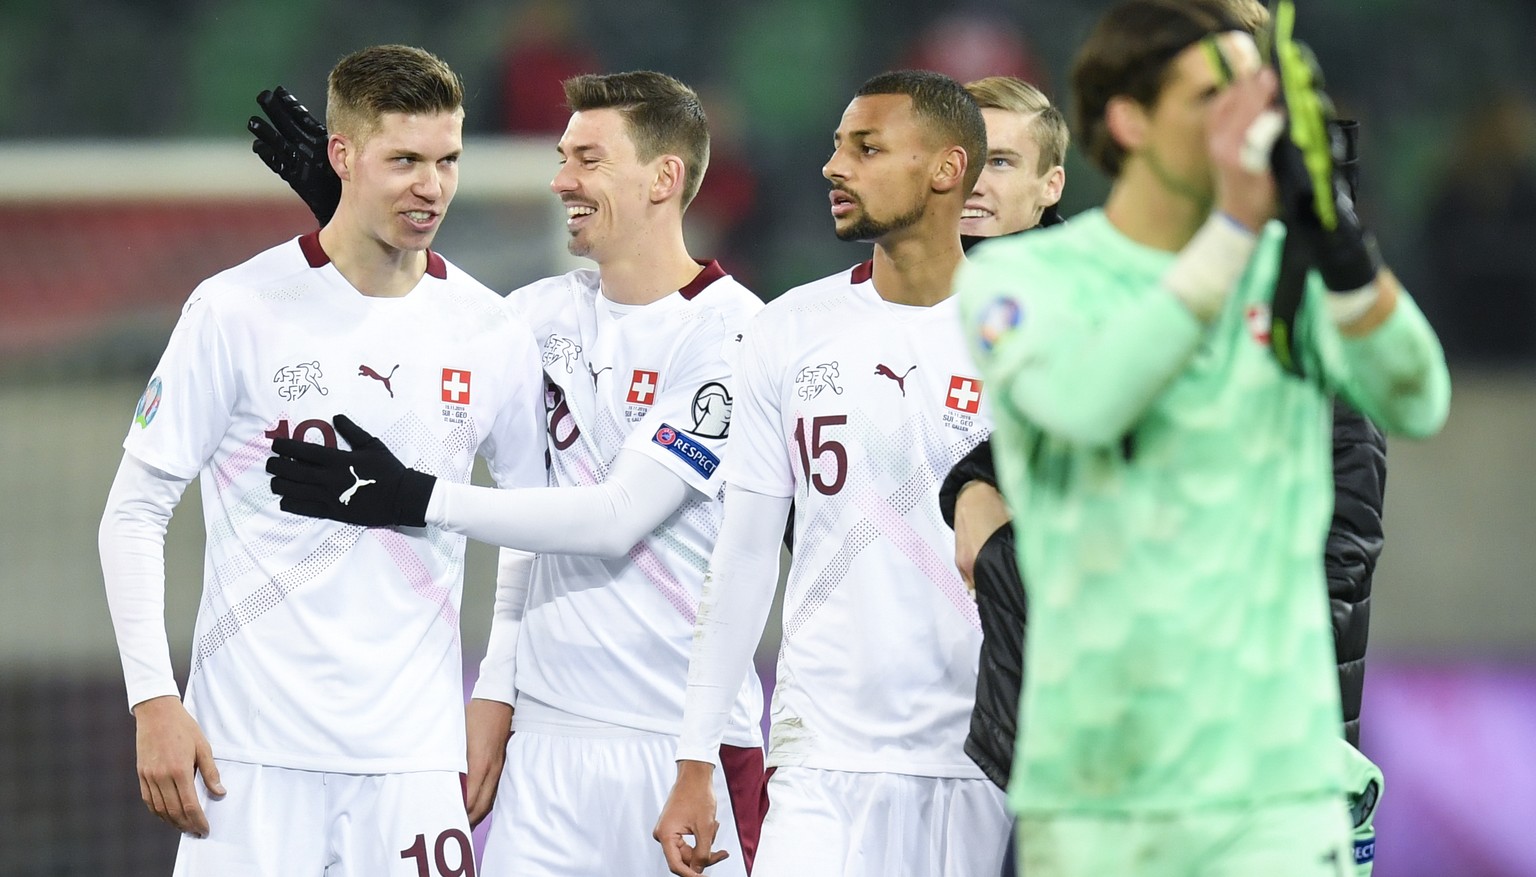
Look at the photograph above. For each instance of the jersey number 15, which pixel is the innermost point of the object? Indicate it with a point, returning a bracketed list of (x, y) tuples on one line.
[(818, 447)]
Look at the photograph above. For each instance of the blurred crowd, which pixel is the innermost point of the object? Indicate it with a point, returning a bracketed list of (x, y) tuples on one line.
[(1447, 100)]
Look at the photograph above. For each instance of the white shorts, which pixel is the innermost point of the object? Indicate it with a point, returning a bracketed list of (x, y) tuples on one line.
[(828, 822), (276, 822), (585, 806)]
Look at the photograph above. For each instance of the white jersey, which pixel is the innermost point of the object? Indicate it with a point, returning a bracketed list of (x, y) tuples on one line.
[(608, 639), (319, 645), (858, 408)]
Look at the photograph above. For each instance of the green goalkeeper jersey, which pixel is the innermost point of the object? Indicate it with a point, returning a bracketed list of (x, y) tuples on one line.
[(1172, 489)]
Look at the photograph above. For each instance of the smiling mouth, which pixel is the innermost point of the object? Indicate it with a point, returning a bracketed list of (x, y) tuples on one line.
[(574, 213), (976, 213)]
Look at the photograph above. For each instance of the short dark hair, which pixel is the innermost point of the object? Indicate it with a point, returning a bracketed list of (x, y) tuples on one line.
[(1048, 127), (370, 82), (1129, 54), (945, 106), (664, 116)]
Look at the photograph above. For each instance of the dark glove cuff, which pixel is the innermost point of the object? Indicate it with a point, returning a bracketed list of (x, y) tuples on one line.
[(411, 501), (975, 466)]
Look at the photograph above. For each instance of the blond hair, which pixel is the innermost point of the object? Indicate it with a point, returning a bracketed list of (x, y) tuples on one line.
[(1048, 127)]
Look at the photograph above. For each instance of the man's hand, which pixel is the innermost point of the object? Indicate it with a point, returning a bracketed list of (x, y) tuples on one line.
[(690, 810), (367, 485), (487, 727), (979, 511), (1242, 123), (171, 747), (293, 145)]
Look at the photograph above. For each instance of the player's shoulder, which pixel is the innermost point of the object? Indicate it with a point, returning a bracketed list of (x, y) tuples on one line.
[(815, 300), (274, 274), (720, 298), (582, 281), (1085, 233)]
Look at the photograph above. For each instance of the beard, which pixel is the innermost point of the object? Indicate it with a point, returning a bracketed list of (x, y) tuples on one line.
[(867, 228)]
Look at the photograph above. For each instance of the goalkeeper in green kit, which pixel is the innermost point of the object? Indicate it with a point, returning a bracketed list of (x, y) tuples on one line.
[(1162, 439)]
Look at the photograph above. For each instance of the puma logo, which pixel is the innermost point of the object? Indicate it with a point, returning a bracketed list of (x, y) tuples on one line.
[(901, 380), (364, 371), (594, 374), (346, 495)]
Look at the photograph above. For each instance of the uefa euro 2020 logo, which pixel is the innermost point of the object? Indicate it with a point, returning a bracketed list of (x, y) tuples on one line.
[(149, 404)]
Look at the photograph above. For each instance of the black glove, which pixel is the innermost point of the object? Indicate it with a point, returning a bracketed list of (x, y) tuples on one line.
[(367, 485), (1314, 163), (293, 145)]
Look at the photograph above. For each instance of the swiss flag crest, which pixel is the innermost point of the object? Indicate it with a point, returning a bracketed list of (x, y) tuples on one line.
[(456, 386), (642, 387), (964, 394)]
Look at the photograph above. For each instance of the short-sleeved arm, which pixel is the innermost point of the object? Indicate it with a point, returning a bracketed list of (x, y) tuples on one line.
[(1084, 380), (690, 418), (759, 457), (185, 411), (514, 449)]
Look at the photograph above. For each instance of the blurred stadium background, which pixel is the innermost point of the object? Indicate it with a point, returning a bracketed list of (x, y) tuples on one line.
[(126, 179)]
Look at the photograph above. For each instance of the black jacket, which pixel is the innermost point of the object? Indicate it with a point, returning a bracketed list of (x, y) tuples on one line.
[(1354, 544)]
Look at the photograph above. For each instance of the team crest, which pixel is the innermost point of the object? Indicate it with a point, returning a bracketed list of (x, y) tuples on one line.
[(559, 350), (293, 381), (711, 411), (813, 379), (149, 403)]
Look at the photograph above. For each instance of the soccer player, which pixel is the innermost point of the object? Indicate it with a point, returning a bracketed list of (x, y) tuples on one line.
[(1171, 481), (855, 395), (639, 358), (1022, 179), (1018, 191), (323, 706)]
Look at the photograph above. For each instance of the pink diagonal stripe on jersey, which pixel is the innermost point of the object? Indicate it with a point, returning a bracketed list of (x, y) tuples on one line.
[(664, 581), (418, 576), (894, 527), (253, 452)]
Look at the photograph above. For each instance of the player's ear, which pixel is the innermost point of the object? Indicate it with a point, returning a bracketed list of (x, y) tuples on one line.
[(949, 172), (1055, 183), (668, 182), (341, 152), (1126, 120)]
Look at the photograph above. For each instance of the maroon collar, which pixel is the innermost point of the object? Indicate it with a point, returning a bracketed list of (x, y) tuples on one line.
[(863, 272), (709, 272), (315, 255)]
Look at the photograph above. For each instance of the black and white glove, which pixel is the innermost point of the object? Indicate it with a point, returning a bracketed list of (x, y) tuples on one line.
[(293, 145), (367, 485)]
